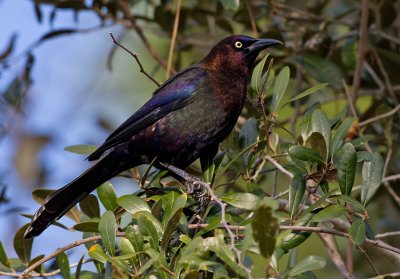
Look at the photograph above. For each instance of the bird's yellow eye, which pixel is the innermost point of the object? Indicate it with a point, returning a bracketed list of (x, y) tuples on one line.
[(238, 44)]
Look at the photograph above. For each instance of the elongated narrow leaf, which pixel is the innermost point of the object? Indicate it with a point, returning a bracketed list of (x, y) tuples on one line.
[(170, 229), (318, 144), (3, 256), (133, 234), (248, 133), (329, 213), (246, 201), (22, 246), (107, 196), (265, 226), (320, 124), (280, 85), (107, 229), (90, 226), (308, 91), (352, 201), (257, 74), (296, 193), (133, 204), (357, 231), (149, 226), (304, 153), (97, 253), (63, 264), (372, 173), (90, 206), (79, 267), (308, 263), (346, 163), (83, 149), (341, 134), (171, 204)]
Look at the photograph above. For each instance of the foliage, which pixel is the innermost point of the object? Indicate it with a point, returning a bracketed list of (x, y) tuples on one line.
[(291, 169)]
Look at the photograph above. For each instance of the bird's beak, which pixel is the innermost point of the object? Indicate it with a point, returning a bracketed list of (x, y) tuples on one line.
[(261, 44)]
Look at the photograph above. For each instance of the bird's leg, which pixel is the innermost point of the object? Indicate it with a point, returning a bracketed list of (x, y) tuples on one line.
[(195, 186)]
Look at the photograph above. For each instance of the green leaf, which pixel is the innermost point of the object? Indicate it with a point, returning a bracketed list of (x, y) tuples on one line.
[(133, 234), (346, 163), (97, 253), (256, 79), (107, 196), (3, 256), (341, 134), (79, 267), (170, 228), (107, 229), (318, 144), (309, 91), (308, 263), (372, 173), (126, 246), (133, 204), (225, 253), (230, 5), (351, 201), (361, 140), (280, 85), (330, 212), (22, 246), (89, 226), (171, 204), (229, 164), (246, 201), (40, 268), (63, 264), (304, 153), (357, 231), (320, 124), (83, 149), (149, 226), (265, 226), (90, 206), (296, 193), (248, 133), (323, 70)]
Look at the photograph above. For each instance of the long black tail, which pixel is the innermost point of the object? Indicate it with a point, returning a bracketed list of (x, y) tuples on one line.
[(62, 200)]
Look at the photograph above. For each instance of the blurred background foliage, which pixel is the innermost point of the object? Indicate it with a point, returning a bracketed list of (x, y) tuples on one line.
[(70, 85)]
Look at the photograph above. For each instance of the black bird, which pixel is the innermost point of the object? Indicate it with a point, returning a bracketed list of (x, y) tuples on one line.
[(187, 117)]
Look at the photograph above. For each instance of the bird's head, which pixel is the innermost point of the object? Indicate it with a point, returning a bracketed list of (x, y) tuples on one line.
[(236, 53)]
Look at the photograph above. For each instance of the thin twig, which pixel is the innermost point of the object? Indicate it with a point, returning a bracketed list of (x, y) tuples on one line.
[(227, 228), (173, 39), (124, 4), (371, 263), (348, 96), (251, 17), (379, 117), (335, 255), (363, 33), (279, 166), (134, 55), (387, 234), (54, 254)]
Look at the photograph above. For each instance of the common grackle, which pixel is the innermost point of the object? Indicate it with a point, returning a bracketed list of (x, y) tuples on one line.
[(187, 117)]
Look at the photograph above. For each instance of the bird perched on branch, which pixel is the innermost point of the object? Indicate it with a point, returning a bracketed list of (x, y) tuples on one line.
[(186, 119)]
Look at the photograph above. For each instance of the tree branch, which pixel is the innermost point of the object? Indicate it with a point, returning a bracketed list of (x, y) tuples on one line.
[(173, 39), (134, 55)]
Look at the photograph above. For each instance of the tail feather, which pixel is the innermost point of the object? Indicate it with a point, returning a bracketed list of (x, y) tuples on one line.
[(62, 200)]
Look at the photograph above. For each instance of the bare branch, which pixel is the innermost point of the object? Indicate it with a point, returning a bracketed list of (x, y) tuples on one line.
[(379, 117), (173, 39), (363, 33), (134, 55)]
